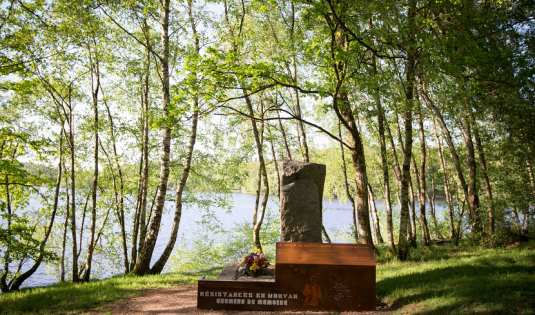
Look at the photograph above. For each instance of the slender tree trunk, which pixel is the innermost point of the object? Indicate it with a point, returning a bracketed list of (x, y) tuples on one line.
[(530, 169), (143, 262), (431, 200), (275, 161), (410, 68), (375, 216), (459, 227), (65, 228), (75, 276), (473, 198), (284, 137), (300, 128), (257, 221), (404, 213), (145, 174), (432, 203), (7, 252), (84, 212), (470, 194), (449, 200), (386, 180), (135, 228), (420, 179), (139, 230), (22, 277), (91, 246), (119, 195), (483, 164), (4, 286), (532, 181), (346, 185), (160, 264), (517, 218)]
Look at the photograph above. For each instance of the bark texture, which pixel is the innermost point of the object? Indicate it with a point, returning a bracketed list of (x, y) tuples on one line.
[(143, 262)]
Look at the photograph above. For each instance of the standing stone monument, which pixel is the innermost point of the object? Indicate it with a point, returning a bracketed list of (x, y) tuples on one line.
[(308, 275), (301, 201)]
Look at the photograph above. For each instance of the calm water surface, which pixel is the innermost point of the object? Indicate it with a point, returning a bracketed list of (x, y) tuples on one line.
[(336, 217)]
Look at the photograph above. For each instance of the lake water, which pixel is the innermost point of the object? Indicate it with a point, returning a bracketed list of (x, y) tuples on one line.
[(337, 216)]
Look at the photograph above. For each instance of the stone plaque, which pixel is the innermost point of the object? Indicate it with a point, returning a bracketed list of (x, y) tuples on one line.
[(308, 277)]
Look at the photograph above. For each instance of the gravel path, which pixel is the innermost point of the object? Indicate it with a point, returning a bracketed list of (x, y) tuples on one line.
[(183, 300)]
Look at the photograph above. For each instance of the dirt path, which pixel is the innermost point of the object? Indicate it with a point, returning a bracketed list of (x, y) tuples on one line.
[(183, 300)]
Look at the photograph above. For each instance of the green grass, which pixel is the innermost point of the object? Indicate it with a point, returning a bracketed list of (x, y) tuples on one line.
[(448, 280), (69, 298), (440, 280)]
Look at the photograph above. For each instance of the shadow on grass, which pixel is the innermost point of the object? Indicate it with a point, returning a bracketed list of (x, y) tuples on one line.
[(71, 297), (489, 285)]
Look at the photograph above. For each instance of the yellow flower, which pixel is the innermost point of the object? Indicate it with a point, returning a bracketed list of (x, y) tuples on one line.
[(254, 267), (256, 251)]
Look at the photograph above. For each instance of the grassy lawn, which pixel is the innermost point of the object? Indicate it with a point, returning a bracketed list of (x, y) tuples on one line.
[(442, 280), (447, 280), (69, 298)]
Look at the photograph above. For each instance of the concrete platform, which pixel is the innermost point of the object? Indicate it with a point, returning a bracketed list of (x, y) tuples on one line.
[(230, 272)]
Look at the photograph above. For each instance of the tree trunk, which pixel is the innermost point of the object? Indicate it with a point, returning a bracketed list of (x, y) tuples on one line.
[(530, 169), (420, 178), (135, 228), (7, 252), (143, 262), (375, 216), (275, 162), (386, 180), (449, 199), (483, 164), (284, 138), (119, 196), (473, 198), (459, 227), (404, 212), (359, 164), (65, 228), (257, 221), (91, 247), (407, 152), (139, 230), (346, 185), (412, 205), (470, 194), (75, 277), (159, 265), (145, 174), (22, 277)]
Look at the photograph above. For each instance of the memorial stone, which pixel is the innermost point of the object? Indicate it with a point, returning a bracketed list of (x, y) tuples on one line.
[(301, 201)]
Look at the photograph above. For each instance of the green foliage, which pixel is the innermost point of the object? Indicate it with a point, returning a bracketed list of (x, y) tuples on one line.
[(215, 248)]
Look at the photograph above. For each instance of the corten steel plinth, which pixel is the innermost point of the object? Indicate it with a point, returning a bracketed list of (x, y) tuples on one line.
[(308, 277)]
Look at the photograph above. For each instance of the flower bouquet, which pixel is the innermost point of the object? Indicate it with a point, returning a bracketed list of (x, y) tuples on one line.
[(254, 264)]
